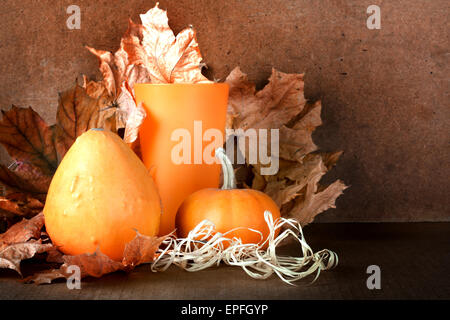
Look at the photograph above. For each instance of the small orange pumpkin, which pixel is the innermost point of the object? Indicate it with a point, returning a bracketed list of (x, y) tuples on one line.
[(228, 208)]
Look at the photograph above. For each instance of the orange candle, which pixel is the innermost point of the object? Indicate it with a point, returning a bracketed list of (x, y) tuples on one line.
[(174, 137)]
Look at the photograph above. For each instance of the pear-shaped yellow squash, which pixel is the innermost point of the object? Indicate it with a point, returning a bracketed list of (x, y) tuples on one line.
[(100, 194)]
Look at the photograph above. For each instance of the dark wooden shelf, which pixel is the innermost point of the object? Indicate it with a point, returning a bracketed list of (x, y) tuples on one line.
[(413, 257)]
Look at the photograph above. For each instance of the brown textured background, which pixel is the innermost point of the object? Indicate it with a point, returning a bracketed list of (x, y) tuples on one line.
[(384, 92)]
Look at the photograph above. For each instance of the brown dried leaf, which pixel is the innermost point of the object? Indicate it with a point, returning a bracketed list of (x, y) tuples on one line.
[(37, 148), (28, 139), (119, 77), (19, 204), (47, 276), (281, 193), (281, 105), (272, 107), (311, 167), (131, 115), (12, 255), (259, 182), (95, 89), (54, 255), (141, 249), (77, 113), (26, 177), (148, 53), (296, 141), (107, 68), (24, 190), (330, 159), (93, 264), (23, 231), (314, 203), (106, 103), (18, 243), (168, 59), (117, 68)]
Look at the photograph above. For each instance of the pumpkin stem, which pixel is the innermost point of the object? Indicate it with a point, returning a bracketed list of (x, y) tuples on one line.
[(229, 181)]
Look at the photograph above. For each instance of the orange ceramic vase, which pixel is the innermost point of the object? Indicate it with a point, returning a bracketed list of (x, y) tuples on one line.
[(179, 115)]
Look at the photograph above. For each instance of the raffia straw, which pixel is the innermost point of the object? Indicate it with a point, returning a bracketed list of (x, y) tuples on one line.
[(204, 247)]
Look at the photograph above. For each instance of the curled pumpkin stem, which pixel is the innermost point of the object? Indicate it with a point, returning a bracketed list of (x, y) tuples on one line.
[(229, 181), (204, 247)]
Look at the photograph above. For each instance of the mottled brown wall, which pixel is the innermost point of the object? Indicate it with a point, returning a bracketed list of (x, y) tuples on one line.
[(384, 92)]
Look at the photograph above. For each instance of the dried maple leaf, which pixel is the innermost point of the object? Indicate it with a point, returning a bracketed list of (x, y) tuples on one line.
[(22, 195), (276, 106), (148, 53), (37, 149), (47, 276), (23, 231), (119, 77), (313, 202), (28, 139), (12, 255), (77, 112), (167, 58), (273, 106), (16, 205), (118, 68), (94, 264), (281, 105), (26, 177), (22, 242), (54, 255), (142, 249), (130, 114), (30, 143)]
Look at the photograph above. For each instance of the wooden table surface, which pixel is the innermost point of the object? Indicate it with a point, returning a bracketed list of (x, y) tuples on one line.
[(414, 259)]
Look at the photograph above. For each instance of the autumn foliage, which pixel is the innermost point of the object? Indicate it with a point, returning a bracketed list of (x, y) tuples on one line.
[(150, 52)]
